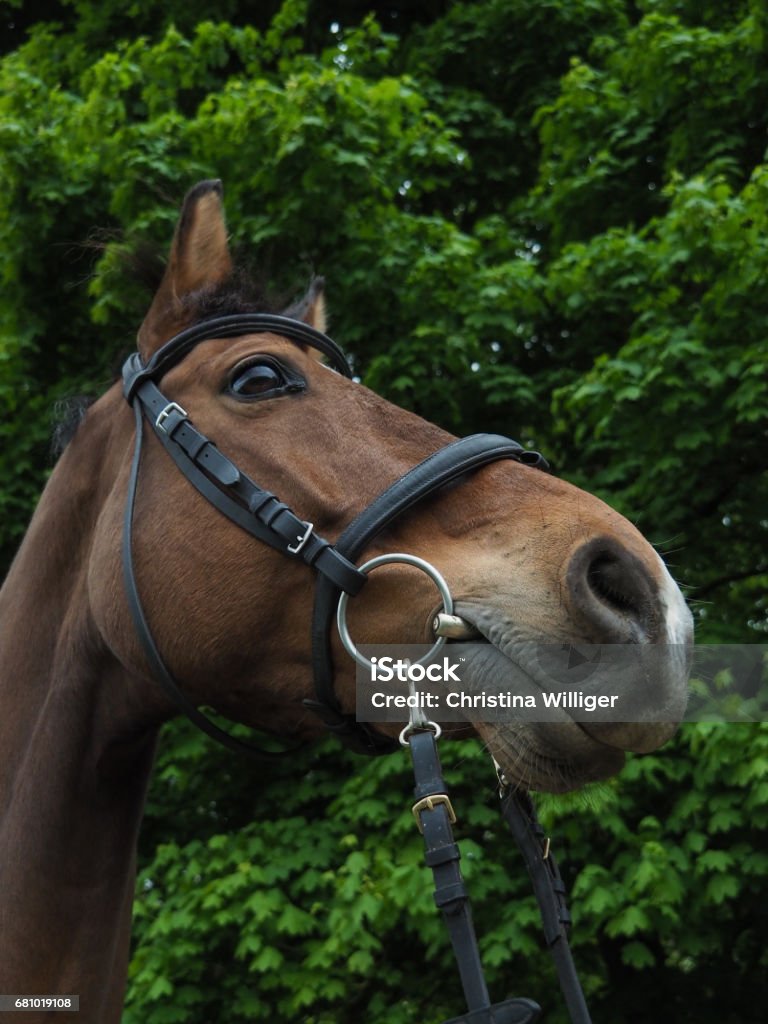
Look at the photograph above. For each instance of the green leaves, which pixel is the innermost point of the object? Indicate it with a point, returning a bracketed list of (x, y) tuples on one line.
[(325, 897), (687, 359)]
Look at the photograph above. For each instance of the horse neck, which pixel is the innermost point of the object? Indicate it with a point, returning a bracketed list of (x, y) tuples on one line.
[(74, 761)]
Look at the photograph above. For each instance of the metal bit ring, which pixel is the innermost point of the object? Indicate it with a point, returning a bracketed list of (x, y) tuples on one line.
[(418, 563)]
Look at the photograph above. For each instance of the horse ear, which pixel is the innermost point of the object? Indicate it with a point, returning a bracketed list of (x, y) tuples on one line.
[(311, 308), (199, 259)]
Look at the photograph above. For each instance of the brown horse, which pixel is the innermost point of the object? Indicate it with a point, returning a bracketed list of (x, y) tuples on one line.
[(526, 555)]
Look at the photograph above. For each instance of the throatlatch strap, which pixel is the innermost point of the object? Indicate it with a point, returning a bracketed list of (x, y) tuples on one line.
[(156, 664)]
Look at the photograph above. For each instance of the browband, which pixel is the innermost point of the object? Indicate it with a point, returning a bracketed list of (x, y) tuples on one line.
[(234, 326)]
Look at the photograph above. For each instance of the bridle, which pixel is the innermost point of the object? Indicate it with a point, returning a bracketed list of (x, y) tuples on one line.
[(261, 514)]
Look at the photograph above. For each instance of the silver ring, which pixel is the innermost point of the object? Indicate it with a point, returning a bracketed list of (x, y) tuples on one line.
[(406, 732), (419, 563)]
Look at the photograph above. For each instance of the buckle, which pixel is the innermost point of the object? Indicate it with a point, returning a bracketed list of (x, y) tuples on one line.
[(162, 416), (301, 540), (429, 803)]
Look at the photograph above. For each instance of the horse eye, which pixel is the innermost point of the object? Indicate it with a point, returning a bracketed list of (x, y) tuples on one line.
[(262, 379)]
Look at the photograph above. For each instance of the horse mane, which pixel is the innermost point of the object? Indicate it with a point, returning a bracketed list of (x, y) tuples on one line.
[(68, 413), (243, 291)]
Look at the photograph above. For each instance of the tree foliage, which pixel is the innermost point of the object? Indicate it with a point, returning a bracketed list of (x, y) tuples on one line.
[(539, 217), (323, 911)]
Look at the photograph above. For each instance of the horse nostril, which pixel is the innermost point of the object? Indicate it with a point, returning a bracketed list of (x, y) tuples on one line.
[(614, 591), (608, 579)]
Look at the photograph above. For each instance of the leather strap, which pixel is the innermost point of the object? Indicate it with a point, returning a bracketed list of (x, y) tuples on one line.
[(234, 326), (442, 856), (438, 469), (520, 815), (255, 510)]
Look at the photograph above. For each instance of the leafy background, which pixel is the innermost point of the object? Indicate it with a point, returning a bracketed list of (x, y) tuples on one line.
[(540, 217)]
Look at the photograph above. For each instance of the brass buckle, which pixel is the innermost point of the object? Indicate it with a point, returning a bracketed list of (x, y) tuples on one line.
[(429, 803)]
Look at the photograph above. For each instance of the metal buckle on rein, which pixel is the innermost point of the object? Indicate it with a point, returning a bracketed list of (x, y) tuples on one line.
[(429, 803)]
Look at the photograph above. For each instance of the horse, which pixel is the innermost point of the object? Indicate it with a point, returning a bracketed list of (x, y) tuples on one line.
[(526, 554)]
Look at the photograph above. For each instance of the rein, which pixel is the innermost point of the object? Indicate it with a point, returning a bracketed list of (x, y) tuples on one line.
[(263, 516), (435, 815)]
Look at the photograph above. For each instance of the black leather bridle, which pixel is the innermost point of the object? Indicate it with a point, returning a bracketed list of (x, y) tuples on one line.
[(262, 515)]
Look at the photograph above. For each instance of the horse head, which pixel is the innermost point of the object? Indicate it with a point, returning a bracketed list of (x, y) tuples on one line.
[(529, 557)]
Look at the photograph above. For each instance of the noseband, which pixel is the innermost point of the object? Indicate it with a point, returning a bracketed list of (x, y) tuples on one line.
[(262, 515)]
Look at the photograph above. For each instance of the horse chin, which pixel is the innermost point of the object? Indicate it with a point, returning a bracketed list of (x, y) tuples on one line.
[(561, 753), (549, 758)]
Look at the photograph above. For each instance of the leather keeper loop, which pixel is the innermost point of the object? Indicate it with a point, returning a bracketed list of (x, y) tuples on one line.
[(450, 894), (442, 855)]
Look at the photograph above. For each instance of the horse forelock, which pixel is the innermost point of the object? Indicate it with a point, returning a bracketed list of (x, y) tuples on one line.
[(240, 292)]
